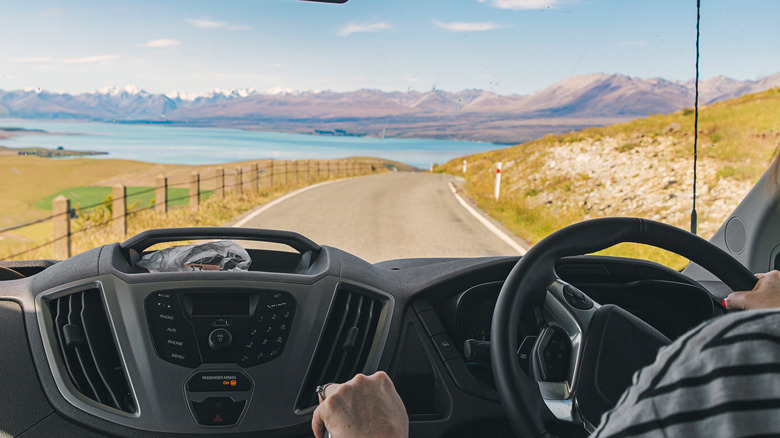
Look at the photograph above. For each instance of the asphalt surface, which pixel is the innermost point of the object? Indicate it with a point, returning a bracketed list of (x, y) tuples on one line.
[(386, 216)]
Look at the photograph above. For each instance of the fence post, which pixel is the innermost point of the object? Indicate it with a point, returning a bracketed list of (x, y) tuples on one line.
[(307, 165), (161, 194), (119, 209), (194, 191), (238, 181), (60, 209), (252, 178), (498, 179), (219, 183)]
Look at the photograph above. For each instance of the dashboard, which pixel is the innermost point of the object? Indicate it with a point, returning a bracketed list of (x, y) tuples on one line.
[(119, 351)]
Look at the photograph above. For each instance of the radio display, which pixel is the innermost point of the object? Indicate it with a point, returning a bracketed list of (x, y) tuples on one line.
[(220, 305)]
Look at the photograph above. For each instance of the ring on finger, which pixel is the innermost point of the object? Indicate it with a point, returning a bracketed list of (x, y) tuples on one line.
[(321, 390)]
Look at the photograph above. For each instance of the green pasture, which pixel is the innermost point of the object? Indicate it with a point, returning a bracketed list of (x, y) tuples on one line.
[(88, 197)]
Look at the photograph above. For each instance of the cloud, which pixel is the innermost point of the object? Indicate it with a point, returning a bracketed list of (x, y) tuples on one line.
[(521, 4), (462, 26), (206, 24), (211, 24), (163, 42), (363, 27), (87, 59)]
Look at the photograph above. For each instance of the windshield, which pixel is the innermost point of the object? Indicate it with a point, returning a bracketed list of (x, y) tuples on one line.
[(389, 129)]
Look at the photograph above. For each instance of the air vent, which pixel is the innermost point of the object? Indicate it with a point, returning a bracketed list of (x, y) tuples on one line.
[(88, 349), (345, 345)]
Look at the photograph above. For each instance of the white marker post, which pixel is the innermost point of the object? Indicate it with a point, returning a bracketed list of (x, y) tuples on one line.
[(498, 179), (464, 166)]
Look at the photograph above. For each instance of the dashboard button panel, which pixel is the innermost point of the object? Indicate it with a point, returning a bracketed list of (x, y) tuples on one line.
[(173, 337), (267, 334), (243, 326)]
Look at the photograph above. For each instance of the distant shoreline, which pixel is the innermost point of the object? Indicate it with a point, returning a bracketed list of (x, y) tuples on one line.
[(59, 152), (188, 144)]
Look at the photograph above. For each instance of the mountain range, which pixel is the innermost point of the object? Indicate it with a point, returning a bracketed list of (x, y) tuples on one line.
[(574, 103)]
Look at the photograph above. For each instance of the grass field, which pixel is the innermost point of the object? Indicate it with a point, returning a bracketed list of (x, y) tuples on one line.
[(32, 182), (88, 197)]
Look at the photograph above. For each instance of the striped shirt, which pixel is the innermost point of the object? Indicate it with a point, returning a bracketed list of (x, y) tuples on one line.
[(722, 379)]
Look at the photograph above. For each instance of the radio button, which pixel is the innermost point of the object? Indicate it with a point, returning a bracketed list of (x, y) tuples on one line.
[(163, 301), (185, 356), (220, 340), (276, 300), (173, 338)]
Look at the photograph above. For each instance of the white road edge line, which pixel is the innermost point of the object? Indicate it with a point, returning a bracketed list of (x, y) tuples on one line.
[(500, 234), (265, 207)]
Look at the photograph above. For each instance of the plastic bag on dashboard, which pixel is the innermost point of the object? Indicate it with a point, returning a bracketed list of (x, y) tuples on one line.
[(224, 255)]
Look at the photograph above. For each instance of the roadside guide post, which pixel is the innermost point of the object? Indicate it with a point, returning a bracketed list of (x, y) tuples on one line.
[(464, 166), (498, 179)]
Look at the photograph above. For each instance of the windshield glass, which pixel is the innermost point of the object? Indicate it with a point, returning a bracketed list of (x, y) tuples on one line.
[(388, 129)]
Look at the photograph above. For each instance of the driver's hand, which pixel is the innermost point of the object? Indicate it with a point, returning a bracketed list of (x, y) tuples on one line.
[(365, 406), (765, 295)]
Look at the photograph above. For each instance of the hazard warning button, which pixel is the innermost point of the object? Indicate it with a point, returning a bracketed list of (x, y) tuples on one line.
[(218, 411)]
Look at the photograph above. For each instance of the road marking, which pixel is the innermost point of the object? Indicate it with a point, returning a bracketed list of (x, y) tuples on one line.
[(500, 234), (265, 207)]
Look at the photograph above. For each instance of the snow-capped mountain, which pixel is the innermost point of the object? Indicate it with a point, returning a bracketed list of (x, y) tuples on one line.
[(581, 100)]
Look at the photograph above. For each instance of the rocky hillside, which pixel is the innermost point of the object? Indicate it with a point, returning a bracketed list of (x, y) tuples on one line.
[(642, 168)]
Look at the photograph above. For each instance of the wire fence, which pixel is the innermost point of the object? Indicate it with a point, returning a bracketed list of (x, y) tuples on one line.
[(250, 178)]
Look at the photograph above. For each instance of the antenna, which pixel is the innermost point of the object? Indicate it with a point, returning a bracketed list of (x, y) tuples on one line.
[(694, 218)]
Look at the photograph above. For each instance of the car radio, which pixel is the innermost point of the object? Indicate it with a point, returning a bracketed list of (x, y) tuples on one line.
[(209, 325)]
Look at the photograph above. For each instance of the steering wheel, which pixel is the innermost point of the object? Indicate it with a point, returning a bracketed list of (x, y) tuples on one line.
[(589, 335)]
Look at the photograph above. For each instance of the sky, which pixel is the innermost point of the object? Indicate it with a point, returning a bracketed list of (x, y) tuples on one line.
[(506, 46)]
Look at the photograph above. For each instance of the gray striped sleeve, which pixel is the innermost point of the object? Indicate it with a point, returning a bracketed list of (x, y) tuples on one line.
[(722, 379)]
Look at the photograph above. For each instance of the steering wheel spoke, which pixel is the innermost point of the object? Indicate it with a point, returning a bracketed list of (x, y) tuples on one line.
[(557, 354)]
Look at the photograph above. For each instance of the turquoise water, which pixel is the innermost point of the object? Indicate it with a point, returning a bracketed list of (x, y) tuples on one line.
[(184, 145)]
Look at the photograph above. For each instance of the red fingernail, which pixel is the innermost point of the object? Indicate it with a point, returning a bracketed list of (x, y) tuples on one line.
[(724, 303)]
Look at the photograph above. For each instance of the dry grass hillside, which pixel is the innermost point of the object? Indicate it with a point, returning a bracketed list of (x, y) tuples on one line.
[(642, 168)]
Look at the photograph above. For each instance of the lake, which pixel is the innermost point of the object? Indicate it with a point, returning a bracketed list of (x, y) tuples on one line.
[(186, 145)]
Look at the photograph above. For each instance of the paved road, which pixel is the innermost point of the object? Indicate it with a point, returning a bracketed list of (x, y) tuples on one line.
[(386, 216)]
